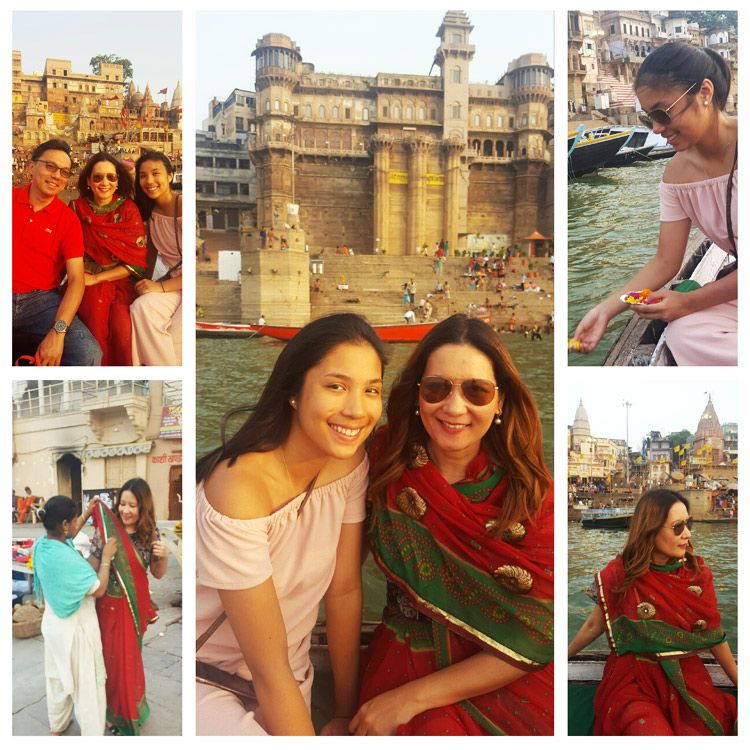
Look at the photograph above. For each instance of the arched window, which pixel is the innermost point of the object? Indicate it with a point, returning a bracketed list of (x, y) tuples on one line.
[(276, 105), (308, 110), (456, 111), (397, 112), (335, 113), (487, 151), (286, 106), (421, 113), (321, 111), (476, 145), (510, 149), (477, 121), (488, 121), (499, 148), (410, 113), (267, 105), (456, 75), (499, 121), (365, 114)]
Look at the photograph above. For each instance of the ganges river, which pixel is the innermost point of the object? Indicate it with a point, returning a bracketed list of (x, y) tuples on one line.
[(613, 230), (589, 550), (232, 372)]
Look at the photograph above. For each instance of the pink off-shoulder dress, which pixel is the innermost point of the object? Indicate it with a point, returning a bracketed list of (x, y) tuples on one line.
[(299, 553), (706, 337)]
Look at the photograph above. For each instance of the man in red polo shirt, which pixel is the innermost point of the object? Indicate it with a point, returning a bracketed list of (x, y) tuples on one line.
[(48, 245)]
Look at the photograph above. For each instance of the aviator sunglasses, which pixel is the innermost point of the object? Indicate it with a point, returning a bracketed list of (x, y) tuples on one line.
[(99, 177), (679, 527), (435, 388), (661, 116)]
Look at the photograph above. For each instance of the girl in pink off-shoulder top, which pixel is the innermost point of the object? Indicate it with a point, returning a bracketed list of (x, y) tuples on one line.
[(279, 513), (684, 90)]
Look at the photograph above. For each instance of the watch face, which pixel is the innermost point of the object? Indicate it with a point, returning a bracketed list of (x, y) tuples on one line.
[(61, 326)]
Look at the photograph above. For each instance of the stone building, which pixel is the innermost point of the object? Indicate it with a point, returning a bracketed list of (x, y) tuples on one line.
[(225, 176), (592, 459), (81, 107), (708, 445), (86, 438), (607, 48), (396, 162)]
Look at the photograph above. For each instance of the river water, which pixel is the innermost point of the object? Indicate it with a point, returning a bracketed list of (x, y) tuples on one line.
[(613, 229), (232, 372), (589, 550)]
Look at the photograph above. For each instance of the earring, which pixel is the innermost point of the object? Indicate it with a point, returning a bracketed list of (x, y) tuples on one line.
[(293, 403), (498, 417), (416, 411), (705, 102)]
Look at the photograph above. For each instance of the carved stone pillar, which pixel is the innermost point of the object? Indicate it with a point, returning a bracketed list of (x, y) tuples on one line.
[(418, 148), (380, 148), (453, 150)]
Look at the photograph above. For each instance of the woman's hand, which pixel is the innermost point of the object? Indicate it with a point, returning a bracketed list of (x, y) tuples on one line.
[(591, 328), (90, 279), (159, 550), (336, 727), (147, 286), (671, 305), (110, 549), (382, 715)]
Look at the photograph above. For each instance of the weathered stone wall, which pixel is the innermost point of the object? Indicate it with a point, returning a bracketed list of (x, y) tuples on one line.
[(492, 197)]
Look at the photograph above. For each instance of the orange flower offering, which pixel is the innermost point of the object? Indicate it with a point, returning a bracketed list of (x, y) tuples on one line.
[(639, 297), (574, 345)]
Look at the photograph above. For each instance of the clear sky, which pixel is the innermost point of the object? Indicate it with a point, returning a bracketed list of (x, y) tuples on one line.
[(668, 406), (150, 40), (358, 42)]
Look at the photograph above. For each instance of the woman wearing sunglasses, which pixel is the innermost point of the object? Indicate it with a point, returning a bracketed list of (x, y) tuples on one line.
[(683, 90), (114, 257), (462, 527), (656, 602)]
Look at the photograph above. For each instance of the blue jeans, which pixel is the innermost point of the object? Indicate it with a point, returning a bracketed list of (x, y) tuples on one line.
[(34, 315)]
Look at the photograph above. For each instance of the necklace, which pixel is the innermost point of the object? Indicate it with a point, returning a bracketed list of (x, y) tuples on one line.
[(291, 485)]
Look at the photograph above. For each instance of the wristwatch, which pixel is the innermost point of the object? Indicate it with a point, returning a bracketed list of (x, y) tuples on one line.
[(60, 326)]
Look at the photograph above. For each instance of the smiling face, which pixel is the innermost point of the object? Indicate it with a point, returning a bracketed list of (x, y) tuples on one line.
[(46, 182), (103, 182), (154, 179), (339, 403), (689, 117), (128, 510), (668, 545), (455, 426)]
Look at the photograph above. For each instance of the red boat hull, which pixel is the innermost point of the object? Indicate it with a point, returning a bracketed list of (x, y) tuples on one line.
[(395, 333)]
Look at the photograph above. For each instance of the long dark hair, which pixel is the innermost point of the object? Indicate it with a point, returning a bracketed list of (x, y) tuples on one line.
[(650, 515), (515, 445), (145, 529), (270, 420), (678, 65), (124, 180), (144, 203)]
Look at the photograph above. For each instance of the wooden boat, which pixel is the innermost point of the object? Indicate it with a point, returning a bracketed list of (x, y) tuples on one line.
[(606, 518), (628, 156), (591, 150), (392, 333), (642, 342)]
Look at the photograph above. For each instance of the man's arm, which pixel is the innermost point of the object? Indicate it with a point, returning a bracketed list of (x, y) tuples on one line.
[(50, 351)]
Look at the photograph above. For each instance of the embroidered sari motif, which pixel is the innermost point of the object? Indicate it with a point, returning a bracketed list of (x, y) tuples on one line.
[(654, 681), (443, 563), (125, 612)]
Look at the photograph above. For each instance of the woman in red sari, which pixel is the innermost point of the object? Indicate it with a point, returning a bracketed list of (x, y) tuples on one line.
[(115, 254), (126, 611), (462, 527), (657, 604)]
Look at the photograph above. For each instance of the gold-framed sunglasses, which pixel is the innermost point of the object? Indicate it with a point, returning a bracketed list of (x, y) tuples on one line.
[(680, 526), (435, 388), (661, 116)]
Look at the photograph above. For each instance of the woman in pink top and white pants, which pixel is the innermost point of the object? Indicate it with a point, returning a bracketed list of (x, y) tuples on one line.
[(156, 314), (279, 515), (683, 90)]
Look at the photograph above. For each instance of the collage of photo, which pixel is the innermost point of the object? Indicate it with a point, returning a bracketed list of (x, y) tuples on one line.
[(377, 404)]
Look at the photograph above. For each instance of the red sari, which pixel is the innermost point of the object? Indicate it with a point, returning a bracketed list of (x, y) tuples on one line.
[(124, 612), (113, 235), (456, 590), (654, 682)]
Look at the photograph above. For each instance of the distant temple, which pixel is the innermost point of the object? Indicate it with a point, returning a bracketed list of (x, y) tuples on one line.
[(85, 106)]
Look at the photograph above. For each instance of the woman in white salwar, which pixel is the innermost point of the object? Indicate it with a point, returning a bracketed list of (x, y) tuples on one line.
[(68, 585)]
